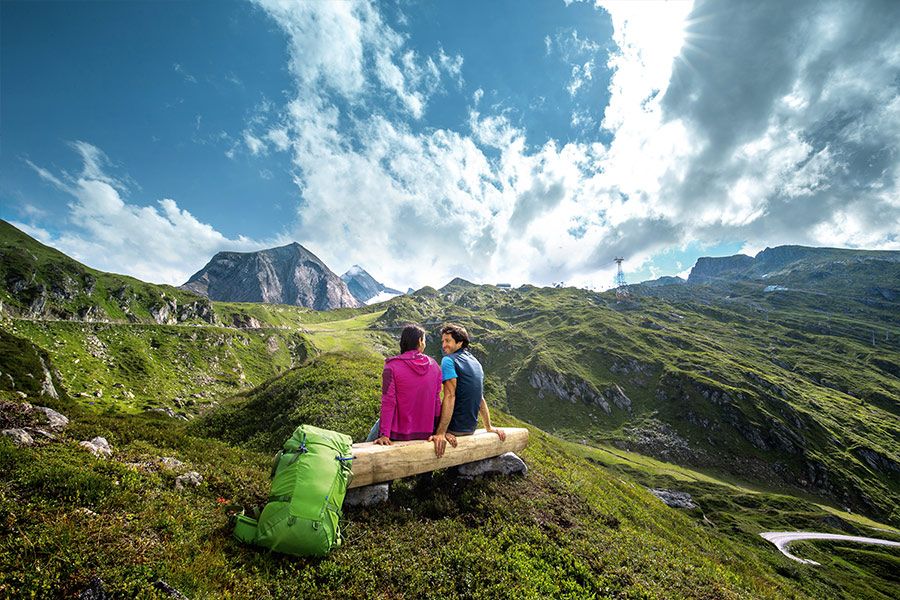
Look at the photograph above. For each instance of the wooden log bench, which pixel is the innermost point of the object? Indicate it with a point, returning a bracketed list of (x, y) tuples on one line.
[(374, 464)]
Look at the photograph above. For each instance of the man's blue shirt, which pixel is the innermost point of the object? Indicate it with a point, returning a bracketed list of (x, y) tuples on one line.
[(469, 375)]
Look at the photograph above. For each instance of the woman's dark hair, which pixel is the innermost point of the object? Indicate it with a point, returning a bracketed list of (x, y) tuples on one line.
[(457, 332), (410, 337)]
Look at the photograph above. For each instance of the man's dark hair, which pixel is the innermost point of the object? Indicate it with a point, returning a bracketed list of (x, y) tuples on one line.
[(410, 337), (457, 332)]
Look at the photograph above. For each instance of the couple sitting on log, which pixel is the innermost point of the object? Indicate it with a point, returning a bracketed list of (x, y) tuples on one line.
[(421, 400)]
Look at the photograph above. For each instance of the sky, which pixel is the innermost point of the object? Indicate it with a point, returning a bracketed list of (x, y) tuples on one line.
[(511, 141)]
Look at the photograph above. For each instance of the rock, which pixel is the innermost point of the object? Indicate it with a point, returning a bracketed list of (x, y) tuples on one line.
[(367, 495), (168, 590), (164, 410), (94, 591), (97, 446), (57, 421), (674, 499), (171, 464), (19, 436), (41, 432), (615, 395), (505, 464), (571, 389), (47, 388), (22, 395), (191, 478)]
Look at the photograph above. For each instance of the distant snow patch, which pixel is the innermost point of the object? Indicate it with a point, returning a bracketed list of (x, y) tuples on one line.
[(382, 297)]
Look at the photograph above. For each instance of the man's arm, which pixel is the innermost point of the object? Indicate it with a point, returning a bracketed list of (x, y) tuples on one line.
[(486, 417), (441, 437)]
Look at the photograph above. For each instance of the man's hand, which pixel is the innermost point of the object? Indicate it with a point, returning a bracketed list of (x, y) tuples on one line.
[(384, 441), (440, 442), (500, 433)]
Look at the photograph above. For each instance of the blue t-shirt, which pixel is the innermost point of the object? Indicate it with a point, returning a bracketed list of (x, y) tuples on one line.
[(469, 375)]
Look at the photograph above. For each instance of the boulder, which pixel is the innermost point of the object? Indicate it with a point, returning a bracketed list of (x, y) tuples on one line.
[(674, 499), (97, 446), (168, 590), (367, 495), (57, 421), (505, 464), (94, 591), (170, 463), (19, 436), (191, 478)]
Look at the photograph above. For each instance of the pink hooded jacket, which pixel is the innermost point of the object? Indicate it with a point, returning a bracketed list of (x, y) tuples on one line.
[(410, 396)]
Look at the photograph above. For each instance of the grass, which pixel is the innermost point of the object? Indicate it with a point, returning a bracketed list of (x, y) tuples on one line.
[(573, 528)]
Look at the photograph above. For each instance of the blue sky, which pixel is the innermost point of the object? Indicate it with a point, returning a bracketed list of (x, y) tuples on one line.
[(501, 141)]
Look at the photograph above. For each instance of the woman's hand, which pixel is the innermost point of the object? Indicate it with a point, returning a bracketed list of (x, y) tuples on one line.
[(384, 441)]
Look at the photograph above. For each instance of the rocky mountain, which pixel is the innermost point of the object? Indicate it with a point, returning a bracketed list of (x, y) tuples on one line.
[(799, 267), (286, 275), (364, 287), (665, 280)]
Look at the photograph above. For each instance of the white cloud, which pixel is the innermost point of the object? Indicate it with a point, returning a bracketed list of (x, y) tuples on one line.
[(714, 137), (581, 74), (183, 72), (254, 144), (161, 243)]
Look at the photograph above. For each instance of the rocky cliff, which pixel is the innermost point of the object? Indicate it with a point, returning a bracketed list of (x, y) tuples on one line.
[(286, 275)]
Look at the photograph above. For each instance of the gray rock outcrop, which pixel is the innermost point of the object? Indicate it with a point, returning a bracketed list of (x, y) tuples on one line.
[(367, 495), (97, 446), (55, 420), (287, 275), (191, 478), (505, 464), (576, 389), (170, 463), (19, 436), (674, 499)]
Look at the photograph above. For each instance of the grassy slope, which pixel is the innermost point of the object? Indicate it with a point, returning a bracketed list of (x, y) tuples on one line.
[(138, 366), (39, 279), (574, 527), (570, 529), (748, 381)]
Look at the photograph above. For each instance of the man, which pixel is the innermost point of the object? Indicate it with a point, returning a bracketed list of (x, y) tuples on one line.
[(463, 391)]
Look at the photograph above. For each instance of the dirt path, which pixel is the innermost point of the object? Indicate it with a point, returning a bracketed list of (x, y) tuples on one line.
[(782, 539)]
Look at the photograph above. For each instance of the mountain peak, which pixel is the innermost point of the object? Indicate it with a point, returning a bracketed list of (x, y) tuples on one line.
[(365, 288), (288, 274)]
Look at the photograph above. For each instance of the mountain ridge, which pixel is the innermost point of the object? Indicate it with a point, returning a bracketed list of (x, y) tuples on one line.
[(288, 274)]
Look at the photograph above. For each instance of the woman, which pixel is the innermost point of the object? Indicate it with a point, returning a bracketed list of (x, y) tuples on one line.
[(410, 392)]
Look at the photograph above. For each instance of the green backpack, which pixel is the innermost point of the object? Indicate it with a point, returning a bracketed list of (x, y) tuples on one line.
[(309, 481)]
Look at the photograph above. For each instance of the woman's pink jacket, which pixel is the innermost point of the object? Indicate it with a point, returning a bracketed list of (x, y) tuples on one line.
[(410, 396)]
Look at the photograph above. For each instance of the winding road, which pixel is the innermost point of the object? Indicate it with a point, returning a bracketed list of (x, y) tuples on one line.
[(782, 539)]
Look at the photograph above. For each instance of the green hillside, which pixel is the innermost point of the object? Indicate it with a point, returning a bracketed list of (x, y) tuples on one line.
[(39, 281), (775, 411), (571, 528), (776, 389)]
